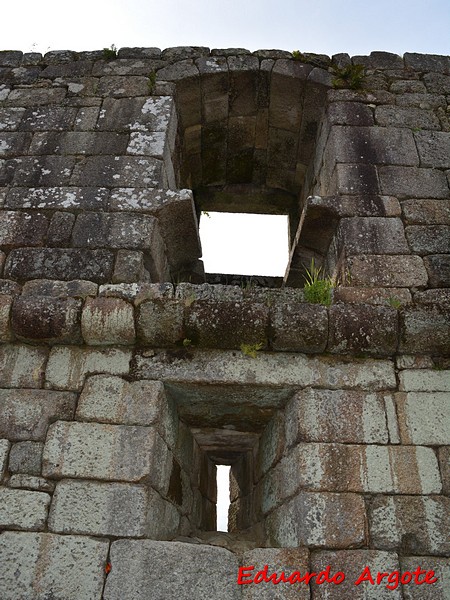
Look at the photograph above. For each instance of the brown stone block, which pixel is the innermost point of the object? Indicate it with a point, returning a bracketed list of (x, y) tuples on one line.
[(22, 366), (424, 417), (434, 591), (372, 235), (47, 318), (107, 321), (425, 330), (426, 211), (438, 267), (160, 322), (299, 327), (428, 239), (387, 271)]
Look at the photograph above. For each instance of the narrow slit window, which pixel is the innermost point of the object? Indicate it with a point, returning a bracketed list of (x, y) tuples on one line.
[(223, 497), (244, 244)]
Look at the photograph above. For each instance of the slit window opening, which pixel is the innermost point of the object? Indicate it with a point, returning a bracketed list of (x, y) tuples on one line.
[(244, 244), (223, 497)]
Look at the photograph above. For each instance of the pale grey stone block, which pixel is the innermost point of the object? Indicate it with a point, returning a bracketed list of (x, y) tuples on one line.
[(107, 321), (177, 571), (69, 567), (22, 366), (424, 417), (424, 380), (21, 509), (29, 482)]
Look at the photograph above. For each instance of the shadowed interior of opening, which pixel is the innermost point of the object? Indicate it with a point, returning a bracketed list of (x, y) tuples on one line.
[(244, 244)]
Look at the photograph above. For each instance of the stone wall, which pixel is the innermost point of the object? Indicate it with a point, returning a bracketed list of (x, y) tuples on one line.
[(125, 378)]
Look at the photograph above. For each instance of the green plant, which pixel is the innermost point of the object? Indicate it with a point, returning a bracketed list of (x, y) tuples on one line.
[(350, 77), (394, 302), (297, 55), (187, 342), (151, 82), (251, 349), (110, 53), (317, 287), (205, 213)]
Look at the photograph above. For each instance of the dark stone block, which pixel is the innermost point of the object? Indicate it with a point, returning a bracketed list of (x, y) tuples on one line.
[(19, 229), (120, 171), (10, 58), (69, 198), (438, 268), (43, 171), (363, 329), (60, 229), (297, 327), (79, 68), (57, 263), (99, 230), (372, 235), (48, 118), (47, 318), (428, 239), (425, 330), (14, 144)]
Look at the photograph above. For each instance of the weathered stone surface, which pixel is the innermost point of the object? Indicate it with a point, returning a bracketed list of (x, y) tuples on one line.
[(46, 566), (60, 198), (95, 449), (363, 295), (41, 171), (60, 289), (118, 171), (160, 323), (406, 117), (22, 229), (412, 524), (356, 179), (136, 114), (425, 330), (5, 310), (319, 520), (352, 564), (350, 113), (79, 507), (26, 414), (107, 321), (428, 239), (438, 267), (299, 327), (435, 591), (43, 118), (60, 228), (130, 578), (20, 509), (424, 417), (57, 263), (31, 482), (362, 328), (337, 416), (67, 367), (387, 271), (278, 560), (22, 366), (433, 148), (424, 380), (100, 230), (411, 182), (46, 319), (130, 267), (424, 212), (4, 449), (26, 457), (79, 142), (10, 118), (372, 235), (14, 144)]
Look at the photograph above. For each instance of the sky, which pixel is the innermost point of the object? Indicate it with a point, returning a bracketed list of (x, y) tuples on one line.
[(320, 26)]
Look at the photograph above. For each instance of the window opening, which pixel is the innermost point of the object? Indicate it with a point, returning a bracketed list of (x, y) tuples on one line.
[(244, 243), (223, 497)]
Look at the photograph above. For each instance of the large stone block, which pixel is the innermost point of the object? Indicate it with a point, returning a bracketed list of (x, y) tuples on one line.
[(406, 117), (428, 239), (21, 509), (59, 198), (5, 311), (438, 267), (107, 321), (175, 566), (434, 591), (425, 330), (116, 509), (46, 118), (410, 524), (352, 563), (338, 416), (299, 327), (67, 367), (14, 144), (350, 113), (434, 148), (10, 118), (46, 319), (424, 417), (26, 414), (160, 323), (424, 380), (426, 211), (319, 519), (387, 271), (107, 452), (372, 235), (22, 366), (278, 560), (26, 457), (69, 567), (136, 114), (363, 329), (355, 179), (411, 182), (118, 171)]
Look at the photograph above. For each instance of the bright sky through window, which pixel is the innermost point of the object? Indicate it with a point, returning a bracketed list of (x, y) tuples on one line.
[(244, 244), (223, 497)]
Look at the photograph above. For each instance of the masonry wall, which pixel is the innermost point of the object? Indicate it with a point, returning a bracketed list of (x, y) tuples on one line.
[(125, 377)]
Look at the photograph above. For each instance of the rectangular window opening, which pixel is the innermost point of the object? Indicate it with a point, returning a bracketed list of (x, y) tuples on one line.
[(244, 243), (223, 497)]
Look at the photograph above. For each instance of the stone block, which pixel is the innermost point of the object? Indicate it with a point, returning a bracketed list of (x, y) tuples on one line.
[(356, 179), (108, 399), (26, 414), (352, 564), (19, 229), (80, 143), (410, 524), (67, 367), (107, 321), (363, 329), (428, 239), (10, 58), (41, 171), (299, 327), (319, 519), (427, 62), (278, 560), (433, 148), (424, 380), (59, 198), (14, 144), (57, 263), (118, 171), (350, 113), (130, 267), (438, 267), (5, 310), (46, 562), (424, 212), (22, 509), (224, 324), (130, 578), (10, 118), (4, 449), (396, 116), (425, 330), (60, 229), (116, 509), (160, 322), (444, 463), (271, 444), (31, 482), (26, 457), (137, 292), (424, 417), (119, 86), (60, 289), (378, 296), (412, 182), (44, 118), (387, 271), (337, 416), (90, 451), (372, 235), (22, 366), (136, 114), (47, 319), (437, 83), (434, 591)]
